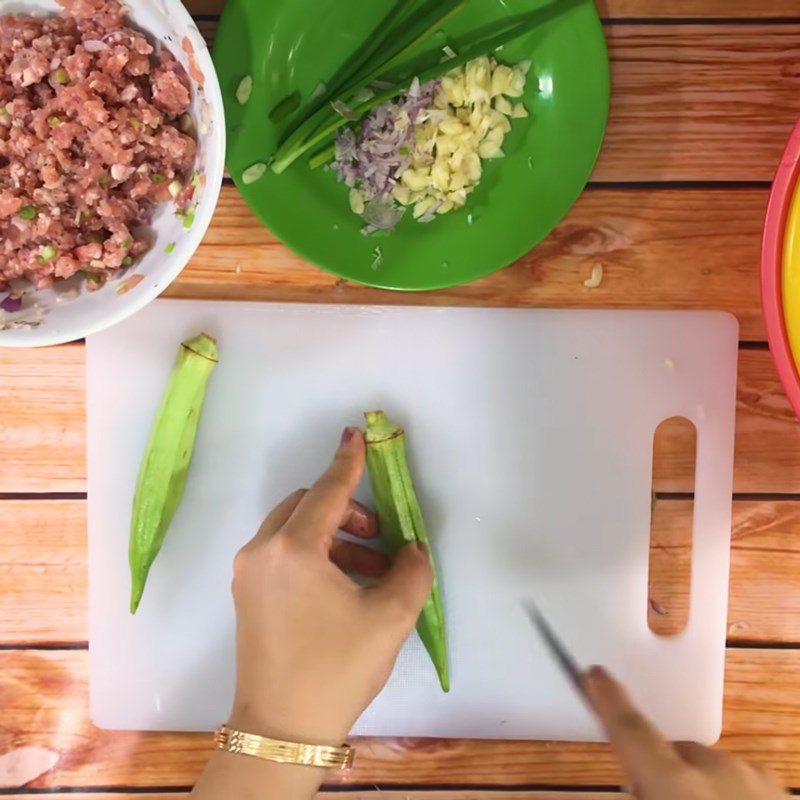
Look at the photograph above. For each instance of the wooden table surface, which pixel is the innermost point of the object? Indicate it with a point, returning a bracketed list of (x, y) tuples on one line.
[(705, 95)]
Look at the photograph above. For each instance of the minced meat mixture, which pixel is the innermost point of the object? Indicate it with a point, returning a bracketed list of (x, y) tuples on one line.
[(94, 133)]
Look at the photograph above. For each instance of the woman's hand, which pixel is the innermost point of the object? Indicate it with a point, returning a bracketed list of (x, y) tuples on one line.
[(659, 770), (314, 648)]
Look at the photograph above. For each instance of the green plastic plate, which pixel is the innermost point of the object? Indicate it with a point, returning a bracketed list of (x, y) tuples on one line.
[(294, 44)]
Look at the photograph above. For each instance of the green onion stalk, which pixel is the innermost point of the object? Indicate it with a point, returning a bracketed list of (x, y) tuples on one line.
[(317, 123)]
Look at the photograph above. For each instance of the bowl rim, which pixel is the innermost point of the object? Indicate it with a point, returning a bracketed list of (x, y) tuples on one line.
[(783, 189), (38, 337)]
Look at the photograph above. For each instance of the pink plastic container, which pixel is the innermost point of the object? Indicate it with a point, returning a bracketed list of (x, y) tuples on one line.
[(780, 200)]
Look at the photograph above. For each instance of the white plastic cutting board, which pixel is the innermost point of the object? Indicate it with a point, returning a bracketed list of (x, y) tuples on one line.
[(530, 435)]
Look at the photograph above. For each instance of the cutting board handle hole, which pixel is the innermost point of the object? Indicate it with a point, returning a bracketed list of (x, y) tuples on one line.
[(671, 526)]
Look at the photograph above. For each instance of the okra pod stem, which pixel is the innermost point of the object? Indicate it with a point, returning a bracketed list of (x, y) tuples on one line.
[(162, 475), (401, 522)]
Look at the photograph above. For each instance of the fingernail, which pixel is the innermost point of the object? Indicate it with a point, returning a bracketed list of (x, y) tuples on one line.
[(422, 547), (595, 674), (347, 436)]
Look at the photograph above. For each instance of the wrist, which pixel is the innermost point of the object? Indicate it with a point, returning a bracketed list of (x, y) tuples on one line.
[(234, 775), (288, 726)]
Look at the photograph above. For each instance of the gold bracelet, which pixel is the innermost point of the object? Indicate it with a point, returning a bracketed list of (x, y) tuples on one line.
[(307, 755)]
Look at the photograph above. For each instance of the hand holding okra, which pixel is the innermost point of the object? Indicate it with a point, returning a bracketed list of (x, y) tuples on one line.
[(313, 647)]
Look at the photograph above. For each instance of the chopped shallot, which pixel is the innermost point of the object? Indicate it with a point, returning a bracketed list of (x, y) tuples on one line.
[(11, 304)]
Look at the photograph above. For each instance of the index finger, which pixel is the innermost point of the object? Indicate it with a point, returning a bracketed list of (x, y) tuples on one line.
[(646, 756), (321, 511)]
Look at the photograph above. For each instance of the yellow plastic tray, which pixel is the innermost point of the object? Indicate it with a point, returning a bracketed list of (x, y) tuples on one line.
[(791, 276)]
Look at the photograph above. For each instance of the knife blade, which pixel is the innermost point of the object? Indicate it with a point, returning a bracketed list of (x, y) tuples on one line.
[(566, 661)]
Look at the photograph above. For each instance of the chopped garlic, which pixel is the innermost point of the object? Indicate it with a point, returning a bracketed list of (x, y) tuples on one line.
[(416, 179), (252, 174), (502, 80), (357, 203), (453, 88), (473, 167), (244, 89), (500, 122), (503, 106), (423, 207), (458, 181), (495, 136), (479, 80), (596, 278), (458, 198), (516, 86), (490, 150), (451, 126), (440, 176), (519, 111), (440, 101), (402, 194), (470, 121)]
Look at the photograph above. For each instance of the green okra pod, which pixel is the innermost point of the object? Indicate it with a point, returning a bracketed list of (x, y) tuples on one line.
[(162, 475), (401, 522)]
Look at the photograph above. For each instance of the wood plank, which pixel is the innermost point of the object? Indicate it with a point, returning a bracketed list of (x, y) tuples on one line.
[(42, 431), (765, 565), (767, 433), (699, 102), (43, 600), (639, 9), (42, 438), (370, 795), (696, 102), (764, 600), (666, 9), (670, 574), (658, 248), (45, 706), (43, 591)]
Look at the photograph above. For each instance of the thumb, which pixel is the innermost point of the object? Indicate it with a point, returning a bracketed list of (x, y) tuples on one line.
[(404, 589)]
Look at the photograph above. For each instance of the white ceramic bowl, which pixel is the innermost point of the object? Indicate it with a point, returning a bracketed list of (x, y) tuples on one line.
[(60, 314)]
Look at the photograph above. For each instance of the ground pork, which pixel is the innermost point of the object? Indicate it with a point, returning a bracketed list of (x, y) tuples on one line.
[(94, 133)]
